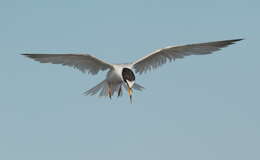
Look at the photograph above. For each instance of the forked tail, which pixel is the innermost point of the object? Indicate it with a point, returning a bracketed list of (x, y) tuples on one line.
[(103, 89)]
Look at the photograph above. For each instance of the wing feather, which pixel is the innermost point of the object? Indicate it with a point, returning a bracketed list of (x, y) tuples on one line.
[(83, 62), (161, 56)]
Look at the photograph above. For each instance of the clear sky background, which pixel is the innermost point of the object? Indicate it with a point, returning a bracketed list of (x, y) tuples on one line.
[(200, 107)]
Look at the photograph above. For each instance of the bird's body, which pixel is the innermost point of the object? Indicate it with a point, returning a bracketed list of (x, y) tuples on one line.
[(122, 75), (115, 80), (114, 74)]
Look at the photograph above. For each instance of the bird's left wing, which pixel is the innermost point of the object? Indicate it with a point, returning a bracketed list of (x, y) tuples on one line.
[(83, 62), (161, 56)]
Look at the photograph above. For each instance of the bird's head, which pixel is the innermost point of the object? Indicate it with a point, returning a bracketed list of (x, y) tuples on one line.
[(129, 79)]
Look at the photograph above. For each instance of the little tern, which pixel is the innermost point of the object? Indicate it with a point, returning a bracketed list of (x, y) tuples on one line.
[(122, 75)]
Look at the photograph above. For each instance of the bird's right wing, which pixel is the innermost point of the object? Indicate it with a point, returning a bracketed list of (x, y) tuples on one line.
[(83, 62), (161, 56)]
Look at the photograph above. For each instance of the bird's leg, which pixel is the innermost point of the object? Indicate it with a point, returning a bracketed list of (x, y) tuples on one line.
[(119, 91)]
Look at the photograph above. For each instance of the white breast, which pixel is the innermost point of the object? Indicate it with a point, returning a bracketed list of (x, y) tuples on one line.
[(116, 74)]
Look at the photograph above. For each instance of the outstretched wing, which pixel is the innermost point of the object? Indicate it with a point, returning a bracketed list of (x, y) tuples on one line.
[(83, 62), (161, 56)]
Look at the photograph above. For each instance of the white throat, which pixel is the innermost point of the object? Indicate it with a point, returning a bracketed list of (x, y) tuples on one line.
[(130, 83)]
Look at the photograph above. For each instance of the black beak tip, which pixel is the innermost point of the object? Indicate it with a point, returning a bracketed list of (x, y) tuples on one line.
[(131, 101)]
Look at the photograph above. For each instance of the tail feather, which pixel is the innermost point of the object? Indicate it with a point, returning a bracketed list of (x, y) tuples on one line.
[(103, 88), (138, 87)]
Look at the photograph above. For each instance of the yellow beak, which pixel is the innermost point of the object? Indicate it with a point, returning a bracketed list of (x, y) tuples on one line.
[(130, 91)]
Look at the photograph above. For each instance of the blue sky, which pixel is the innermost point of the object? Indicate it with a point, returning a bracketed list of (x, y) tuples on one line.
[(200, 107)]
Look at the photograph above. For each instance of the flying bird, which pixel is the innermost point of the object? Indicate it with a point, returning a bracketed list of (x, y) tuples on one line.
[(123, 75)]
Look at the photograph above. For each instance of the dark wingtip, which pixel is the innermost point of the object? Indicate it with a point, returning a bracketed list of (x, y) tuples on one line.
[(30, 55), (26, 55), (229, 42), (236, 40), (233, 41)]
